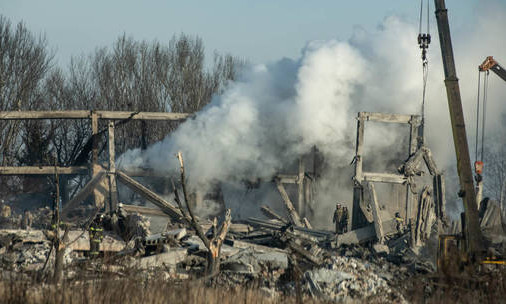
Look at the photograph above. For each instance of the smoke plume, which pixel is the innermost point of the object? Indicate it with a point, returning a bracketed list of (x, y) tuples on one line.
[(275, 112)]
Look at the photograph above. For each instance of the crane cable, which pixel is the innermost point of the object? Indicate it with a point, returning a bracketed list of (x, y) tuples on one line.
[(483, 117), (477, 118), (423, 42)]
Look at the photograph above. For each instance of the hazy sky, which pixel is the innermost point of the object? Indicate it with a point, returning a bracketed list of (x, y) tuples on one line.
[(259, 31)]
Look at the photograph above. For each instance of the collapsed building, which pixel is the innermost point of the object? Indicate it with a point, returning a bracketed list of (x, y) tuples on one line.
[(170, 234)]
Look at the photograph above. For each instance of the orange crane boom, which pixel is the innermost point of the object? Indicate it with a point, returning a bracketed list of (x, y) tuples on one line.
[(490, 64)]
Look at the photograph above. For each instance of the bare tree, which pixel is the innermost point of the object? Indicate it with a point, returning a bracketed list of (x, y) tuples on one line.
[(495, 165), (25, 61), (212, 244), (131, 76), (142, 76), (71, 140)]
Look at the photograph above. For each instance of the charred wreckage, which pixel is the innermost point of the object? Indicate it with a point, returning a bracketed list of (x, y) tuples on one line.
[(354, 262), (388, 240)]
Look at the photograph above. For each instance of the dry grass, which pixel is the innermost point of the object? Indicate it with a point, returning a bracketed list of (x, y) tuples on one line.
[(133, 290), (478, 286)]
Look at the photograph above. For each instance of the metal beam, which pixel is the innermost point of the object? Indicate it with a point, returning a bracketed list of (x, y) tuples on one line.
[(387, 117), (292, 213), (14, 115), (84, 193), (83, 114), (287, 178), (43, 170), (300, 183), (269, 213), (149, 195), (384, 178), (142, 210), (378, 223), (113, 189)]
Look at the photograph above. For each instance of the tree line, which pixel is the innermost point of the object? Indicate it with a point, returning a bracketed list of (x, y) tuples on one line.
[(128, 76)]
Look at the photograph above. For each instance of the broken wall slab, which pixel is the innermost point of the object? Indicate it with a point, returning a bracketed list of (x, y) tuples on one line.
[(249, 261), (170, 258), (366, 233)]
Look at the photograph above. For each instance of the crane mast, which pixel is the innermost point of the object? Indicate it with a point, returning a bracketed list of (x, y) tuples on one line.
[(472, 232)]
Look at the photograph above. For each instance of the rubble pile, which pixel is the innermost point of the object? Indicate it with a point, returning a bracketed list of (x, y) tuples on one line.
[(342, 279), (23, 250), (274, 256)]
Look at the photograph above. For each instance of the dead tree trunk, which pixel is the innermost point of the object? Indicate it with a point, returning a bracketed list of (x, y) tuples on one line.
[(59, 246), (214, 244), (58, 243)]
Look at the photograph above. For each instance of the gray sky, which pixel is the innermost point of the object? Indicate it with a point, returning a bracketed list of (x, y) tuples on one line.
[(259, 31)]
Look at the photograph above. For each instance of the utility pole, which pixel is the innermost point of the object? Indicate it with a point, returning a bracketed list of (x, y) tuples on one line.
[(467, 192)]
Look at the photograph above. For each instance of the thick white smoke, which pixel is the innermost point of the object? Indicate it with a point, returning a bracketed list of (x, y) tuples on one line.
[(275, 112)]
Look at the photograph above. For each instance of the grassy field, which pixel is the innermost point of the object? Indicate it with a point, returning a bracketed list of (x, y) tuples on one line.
[(134, 290)]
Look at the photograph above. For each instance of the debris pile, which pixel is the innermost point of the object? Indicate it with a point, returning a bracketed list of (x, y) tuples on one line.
[(342, 279), (280, 255), (23, 250)]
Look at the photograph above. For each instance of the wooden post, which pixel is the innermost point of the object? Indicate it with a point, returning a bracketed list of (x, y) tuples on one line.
[(301, 204), (113, 190), (378, 224)]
